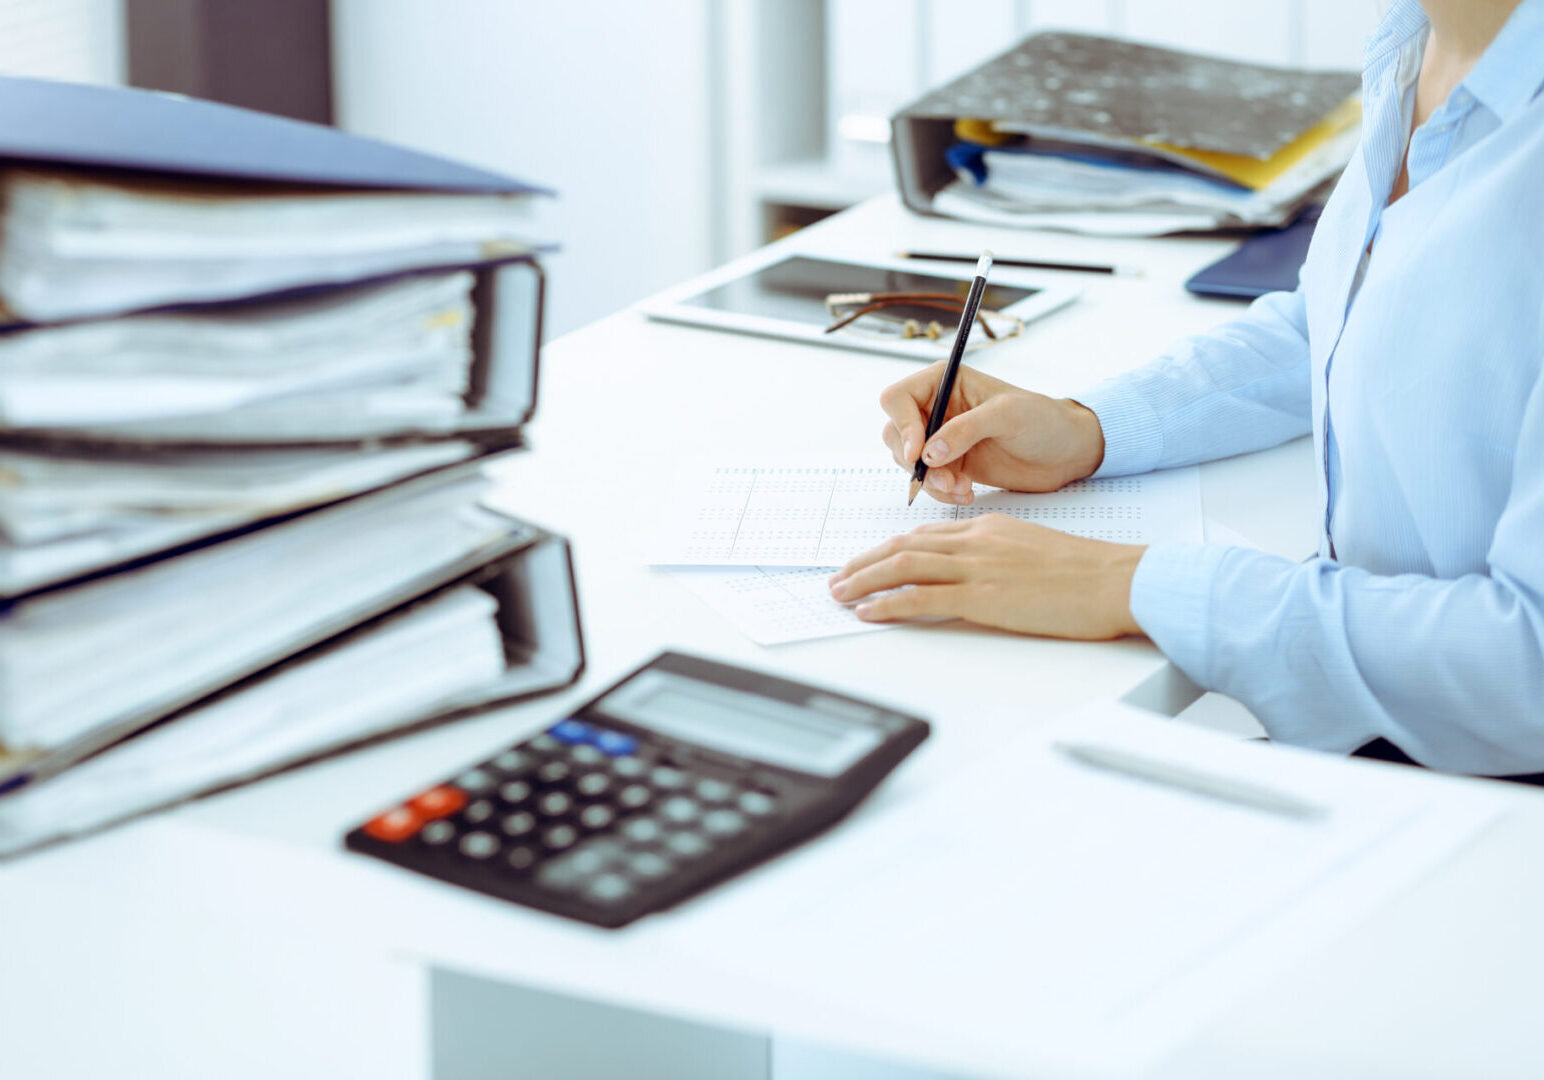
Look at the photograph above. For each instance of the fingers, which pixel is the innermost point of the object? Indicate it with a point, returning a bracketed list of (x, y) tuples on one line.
[(902, 568), (956, 437), (936, 538), (903, 403), (949, 486), (915, 603)]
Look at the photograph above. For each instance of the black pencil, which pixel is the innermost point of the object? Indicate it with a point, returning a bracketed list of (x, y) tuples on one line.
[(935, 419), (1028, 264)]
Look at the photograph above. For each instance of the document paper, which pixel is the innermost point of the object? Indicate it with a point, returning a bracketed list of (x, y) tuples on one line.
[(1063, 911), (824, 516), (838, 512)]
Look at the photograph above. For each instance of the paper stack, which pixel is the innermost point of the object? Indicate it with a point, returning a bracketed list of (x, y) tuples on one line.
[(1096, 134), (244, 408)]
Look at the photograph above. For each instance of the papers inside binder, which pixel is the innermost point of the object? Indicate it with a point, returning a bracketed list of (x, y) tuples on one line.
[(82, 667), (505, 631), (67, 514), (76, 244)]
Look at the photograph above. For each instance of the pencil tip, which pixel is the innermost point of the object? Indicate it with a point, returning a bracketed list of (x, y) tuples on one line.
[(911, 496)]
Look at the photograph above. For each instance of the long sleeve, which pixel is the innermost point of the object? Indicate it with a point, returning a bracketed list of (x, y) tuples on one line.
[(1331, 656), (1242, 386)]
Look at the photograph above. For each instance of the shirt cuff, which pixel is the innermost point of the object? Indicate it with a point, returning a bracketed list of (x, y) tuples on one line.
[(1133, 436), (1171, 600)]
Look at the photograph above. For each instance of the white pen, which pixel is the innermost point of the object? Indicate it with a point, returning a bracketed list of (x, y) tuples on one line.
[(1188, 778)]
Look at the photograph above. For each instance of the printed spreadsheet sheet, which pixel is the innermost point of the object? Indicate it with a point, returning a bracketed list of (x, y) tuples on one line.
[(823, 516)]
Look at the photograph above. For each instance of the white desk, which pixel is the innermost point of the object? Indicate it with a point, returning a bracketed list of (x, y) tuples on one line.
[(233, 937)]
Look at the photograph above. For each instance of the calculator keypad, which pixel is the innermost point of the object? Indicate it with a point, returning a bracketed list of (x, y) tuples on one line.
[(580, 811)]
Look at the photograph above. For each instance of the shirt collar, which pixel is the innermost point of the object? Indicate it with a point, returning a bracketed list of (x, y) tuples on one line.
[(1510, 73), (1405, 19)]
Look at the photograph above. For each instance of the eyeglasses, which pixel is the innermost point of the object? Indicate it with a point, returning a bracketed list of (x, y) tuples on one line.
[(911, 315)]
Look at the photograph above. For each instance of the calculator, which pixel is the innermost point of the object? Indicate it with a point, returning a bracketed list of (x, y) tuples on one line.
[(684, 773)]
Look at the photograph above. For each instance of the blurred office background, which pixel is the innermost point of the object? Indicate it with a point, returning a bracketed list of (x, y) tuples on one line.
[(679, 132)]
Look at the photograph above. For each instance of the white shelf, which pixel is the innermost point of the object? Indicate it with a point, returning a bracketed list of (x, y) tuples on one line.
[(816, 184)]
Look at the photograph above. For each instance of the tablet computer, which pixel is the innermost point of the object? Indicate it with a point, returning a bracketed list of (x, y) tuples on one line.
[(784, 294)]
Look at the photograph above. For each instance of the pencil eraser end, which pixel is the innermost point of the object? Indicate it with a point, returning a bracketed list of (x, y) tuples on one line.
[(984, 263)]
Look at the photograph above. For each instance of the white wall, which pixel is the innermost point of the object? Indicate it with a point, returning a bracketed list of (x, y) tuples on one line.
[(659, 142), (606, 101), (74, 40)]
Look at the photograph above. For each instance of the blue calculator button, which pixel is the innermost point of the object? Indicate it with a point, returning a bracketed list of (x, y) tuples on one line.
[(615, 743), (570, 731)]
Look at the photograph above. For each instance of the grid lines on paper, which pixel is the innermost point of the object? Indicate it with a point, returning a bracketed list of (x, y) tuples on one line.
[(823, 516)]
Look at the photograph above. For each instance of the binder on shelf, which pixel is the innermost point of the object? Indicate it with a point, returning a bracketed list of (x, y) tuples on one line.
[(306, 707)]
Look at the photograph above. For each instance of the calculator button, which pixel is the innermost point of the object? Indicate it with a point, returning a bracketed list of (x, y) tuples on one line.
[(475, 780), (680, 810), (545, 744), (757, 803), (511, 761), (596, 816), (520, 858), (643, 830), (555, 803), (520, 823), (479, 845), (688, 845), (723, 823), (593, 784), (515, 792), (554, 771), (560, 875), (588, 861), (586, 755), (629, 767), (649, 866), (634, 796), (438, 832), (438, 802), (478, 812), (615, 743), (669, 779), (394, 826), (714, 791), (570, 731), (609, 888), (606, 847), (560, 836)]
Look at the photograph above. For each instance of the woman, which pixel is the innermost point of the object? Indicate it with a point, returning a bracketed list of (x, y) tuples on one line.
[(1412, 351)]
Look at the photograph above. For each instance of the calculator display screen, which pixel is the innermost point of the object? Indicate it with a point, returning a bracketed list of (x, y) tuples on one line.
[(741, 723)]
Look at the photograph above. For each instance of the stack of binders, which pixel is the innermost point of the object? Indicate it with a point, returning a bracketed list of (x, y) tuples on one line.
[(251, 372)]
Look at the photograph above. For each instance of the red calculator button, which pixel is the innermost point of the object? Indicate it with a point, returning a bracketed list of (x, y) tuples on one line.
[(438, 802), (394, 826)]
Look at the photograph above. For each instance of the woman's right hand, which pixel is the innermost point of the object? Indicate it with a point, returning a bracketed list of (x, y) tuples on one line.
[(994, 433)]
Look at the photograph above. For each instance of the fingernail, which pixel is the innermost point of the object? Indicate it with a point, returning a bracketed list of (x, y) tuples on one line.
[(839, 589), (935, 452), (937, 482), (863, 611), (909, 450)]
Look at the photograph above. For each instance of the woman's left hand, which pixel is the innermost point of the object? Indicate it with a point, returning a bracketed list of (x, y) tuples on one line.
[(997, 571)]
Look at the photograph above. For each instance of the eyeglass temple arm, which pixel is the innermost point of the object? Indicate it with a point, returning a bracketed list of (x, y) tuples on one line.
[(915, 299)]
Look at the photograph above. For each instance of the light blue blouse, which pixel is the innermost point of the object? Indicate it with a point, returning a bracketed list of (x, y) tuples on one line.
[(1419, 376)]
